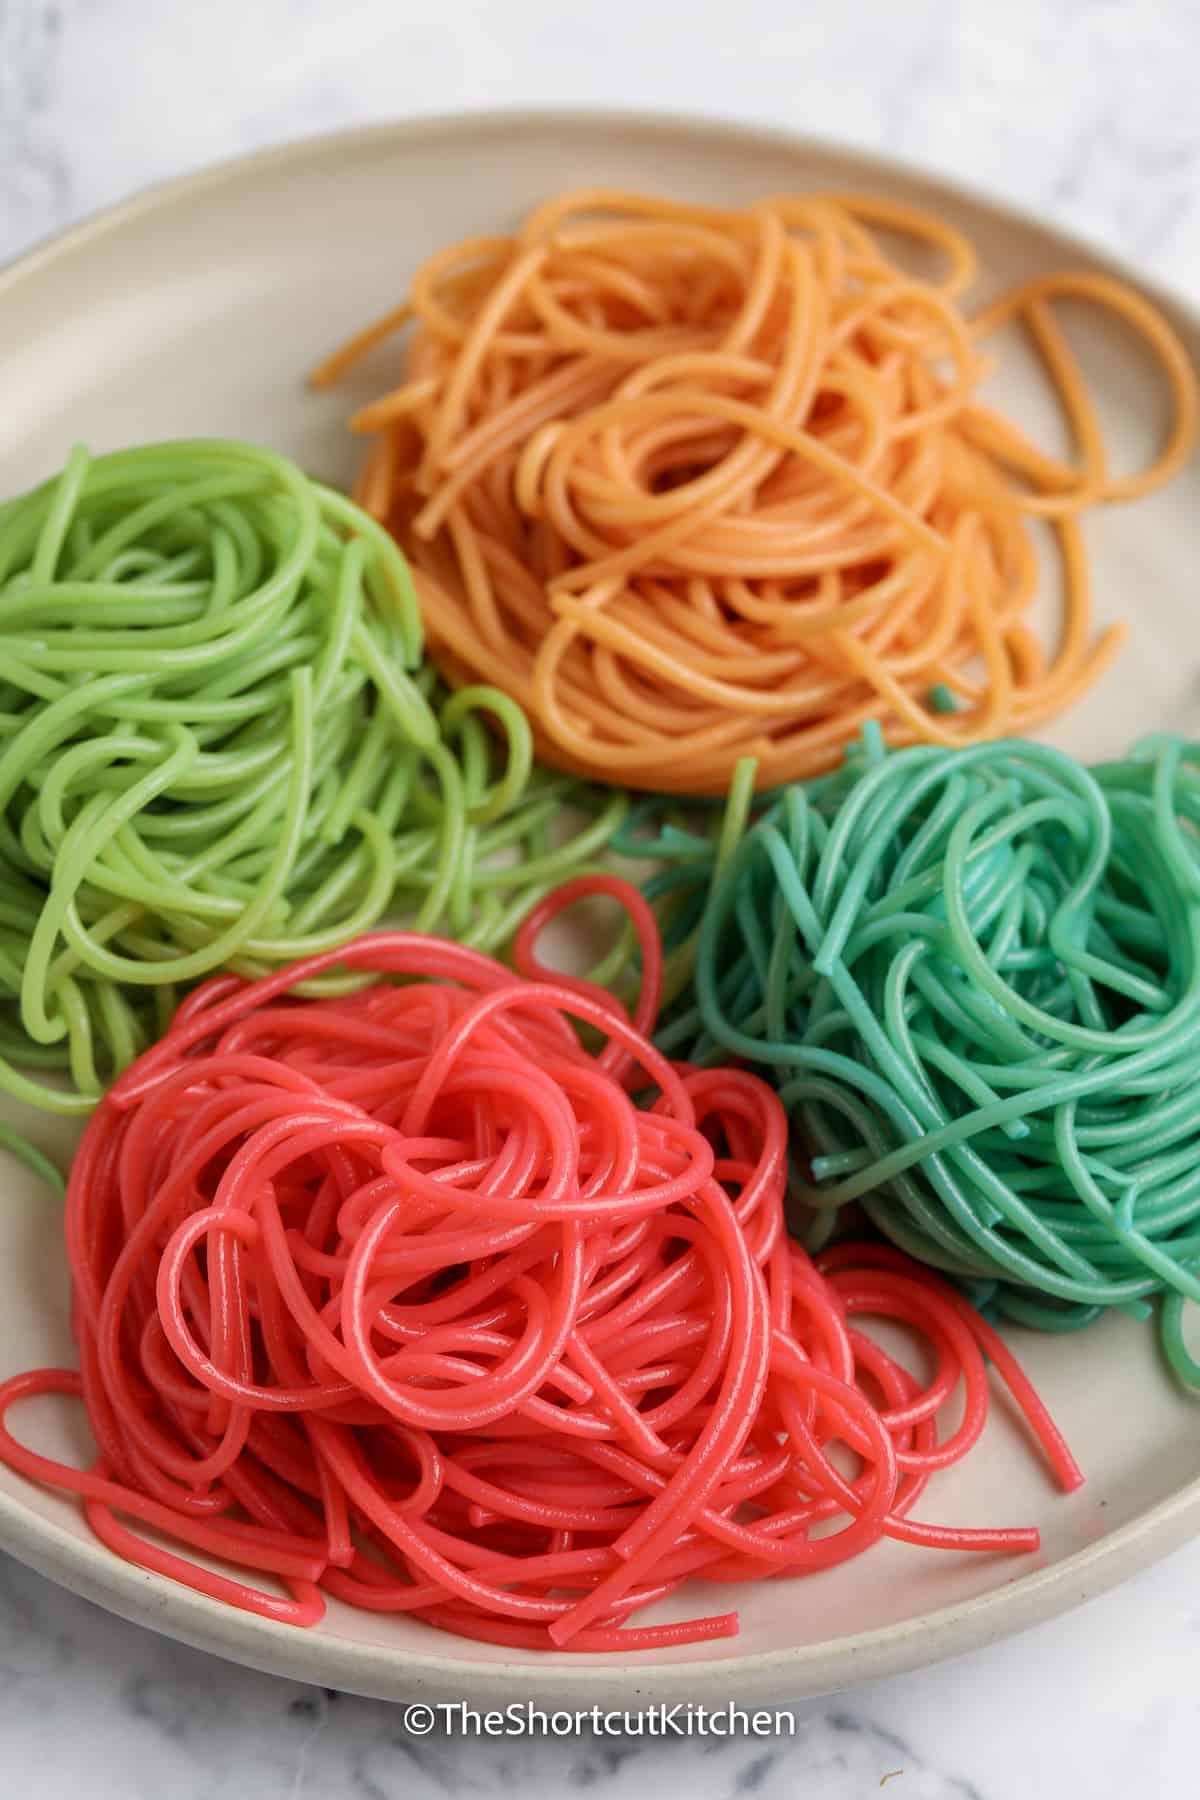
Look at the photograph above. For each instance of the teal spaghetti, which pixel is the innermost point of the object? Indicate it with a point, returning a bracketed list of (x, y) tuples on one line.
[(220, 748), (974, 977)]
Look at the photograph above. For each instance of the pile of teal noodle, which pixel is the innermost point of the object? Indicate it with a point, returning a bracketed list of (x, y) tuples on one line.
[(974, 977)]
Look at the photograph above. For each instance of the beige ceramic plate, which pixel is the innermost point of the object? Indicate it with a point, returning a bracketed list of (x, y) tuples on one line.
[(197, 310)]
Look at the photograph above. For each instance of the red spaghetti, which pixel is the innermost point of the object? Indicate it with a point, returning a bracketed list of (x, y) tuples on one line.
[(400, 1297)]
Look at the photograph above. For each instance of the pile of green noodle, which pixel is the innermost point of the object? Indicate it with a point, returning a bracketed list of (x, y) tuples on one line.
[(220, 748)]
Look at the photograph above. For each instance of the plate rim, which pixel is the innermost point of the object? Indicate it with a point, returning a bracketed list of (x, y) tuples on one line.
[(165, 191), (376, 1671), (138, 1596)]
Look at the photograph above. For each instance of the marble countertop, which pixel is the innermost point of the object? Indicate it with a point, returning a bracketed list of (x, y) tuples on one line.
[(1084, 109)]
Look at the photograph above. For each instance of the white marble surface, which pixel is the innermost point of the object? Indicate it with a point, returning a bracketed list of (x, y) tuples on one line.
[(1083, 108)]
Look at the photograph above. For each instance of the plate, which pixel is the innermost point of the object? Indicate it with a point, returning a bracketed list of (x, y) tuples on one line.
[(196, 310)]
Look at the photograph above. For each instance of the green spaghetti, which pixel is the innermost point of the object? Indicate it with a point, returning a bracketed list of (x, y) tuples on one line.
[(974, 977), (220, 748)]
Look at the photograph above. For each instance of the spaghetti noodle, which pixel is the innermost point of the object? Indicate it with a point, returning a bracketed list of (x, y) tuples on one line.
[(219, 747), (693, 484), (398, 1296), (974, 978)]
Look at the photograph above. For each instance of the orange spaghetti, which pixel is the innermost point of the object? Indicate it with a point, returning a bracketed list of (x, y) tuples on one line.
[(694, 484)]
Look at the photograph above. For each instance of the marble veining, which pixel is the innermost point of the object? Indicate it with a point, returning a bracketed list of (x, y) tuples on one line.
[(1084, 109), (1100, 1703)]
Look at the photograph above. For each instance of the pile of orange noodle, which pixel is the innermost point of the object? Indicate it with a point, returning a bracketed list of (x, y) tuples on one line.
[(694, 484)]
